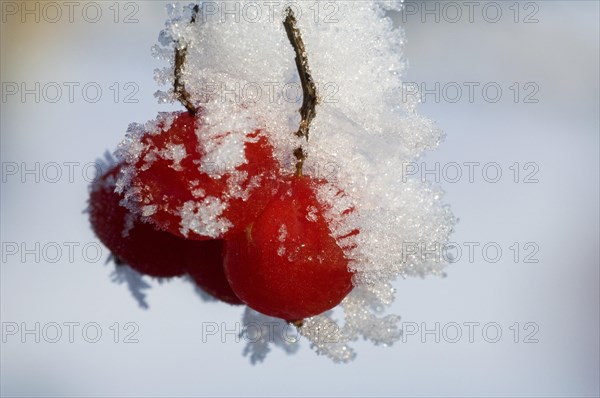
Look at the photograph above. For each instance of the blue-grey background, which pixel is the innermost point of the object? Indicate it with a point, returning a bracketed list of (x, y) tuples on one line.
[(553, 59)]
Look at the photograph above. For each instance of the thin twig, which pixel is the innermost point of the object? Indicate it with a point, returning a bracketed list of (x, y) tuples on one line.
[(309, 89), (178, 86)]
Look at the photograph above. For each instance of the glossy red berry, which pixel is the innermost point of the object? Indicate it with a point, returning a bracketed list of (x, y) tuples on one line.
[(205, 266), (286, 264), (165, 183)]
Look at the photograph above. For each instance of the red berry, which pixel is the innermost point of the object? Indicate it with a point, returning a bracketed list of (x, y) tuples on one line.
[(138, 244), (206, 269), (286, 264), (164, 182)]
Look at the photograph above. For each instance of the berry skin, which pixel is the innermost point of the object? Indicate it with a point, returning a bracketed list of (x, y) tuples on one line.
[(165, 184), (206, 269), (150, 251), (286, 264)]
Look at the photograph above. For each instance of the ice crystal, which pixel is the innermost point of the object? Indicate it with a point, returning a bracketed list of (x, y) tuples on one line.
[(204, 217)]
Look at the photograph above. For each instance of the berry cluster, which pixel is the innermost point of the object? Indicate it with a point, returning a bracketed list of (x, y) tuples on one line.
[(250, 232)]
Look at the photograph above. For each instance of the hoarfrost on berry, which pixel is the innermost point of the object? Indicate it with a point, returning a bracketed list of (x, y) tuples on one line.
[(241, 71)]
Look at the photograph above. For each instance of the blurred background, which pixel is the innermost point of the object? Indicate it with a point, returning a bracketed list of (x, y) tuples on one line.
[(514, 85)]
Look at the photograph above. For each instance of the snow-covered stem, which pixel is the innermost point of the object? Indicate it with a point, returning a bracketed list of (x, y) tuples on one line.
[(178, 86)]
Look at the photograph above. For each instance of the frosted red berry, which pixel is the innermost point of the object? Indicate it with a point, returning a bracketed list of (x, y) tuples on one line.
[(286, 264), (166, 183)]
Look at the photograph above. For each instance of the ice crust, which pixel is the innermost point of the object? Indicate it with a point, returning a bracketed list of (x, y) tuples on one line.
[(240, 69)]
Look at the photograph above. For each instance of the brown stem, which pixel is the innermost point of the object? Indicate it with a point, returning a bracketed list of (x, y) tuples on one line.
[(309, 89), (298, 323), (178, 86), (300, 156)]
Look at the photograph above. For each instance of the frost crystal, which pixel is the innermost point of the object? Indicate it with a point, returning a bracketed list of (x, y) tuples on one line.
[(148, 210), (362, 318), (176, 153), (204, 217), (326, 338), (129, 224), (102, 166), (312, 214), (282, 233)]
